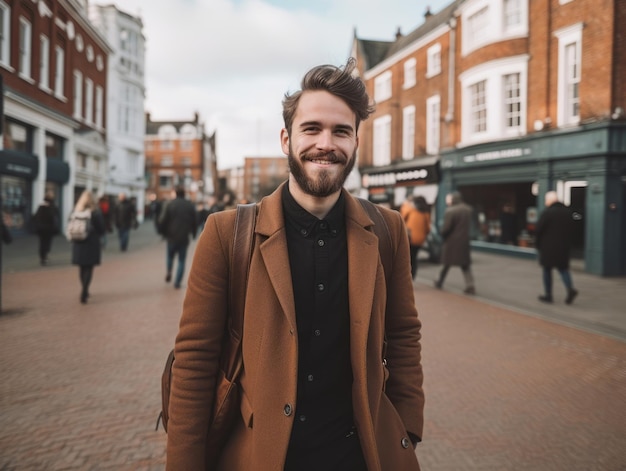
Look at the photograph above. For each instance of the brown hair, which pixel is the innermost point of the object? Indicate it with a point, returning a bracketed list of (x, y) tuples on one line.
[(336, 80)]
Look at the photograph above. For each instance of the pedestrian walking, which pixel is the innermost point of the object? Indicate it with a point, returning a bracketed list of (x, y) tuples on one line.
[(552, 237), (125, 219), (331, 354), (457, 223), (47, 225), (416, 217), (178, 222), (87, 253), (104, 204)]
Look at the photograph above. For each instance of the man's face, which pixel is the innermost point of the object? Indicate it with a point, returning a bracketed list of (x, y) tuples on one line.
[(323, 142)]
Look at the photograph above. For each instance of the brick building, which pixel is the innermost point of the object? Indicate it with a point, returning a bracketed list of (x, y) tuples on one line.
[(176, 154), (54, 70), (504, 100)]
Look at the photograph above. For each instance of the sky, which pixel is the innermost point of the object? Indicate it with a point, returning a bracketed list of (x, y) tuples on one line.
[(232, 61)]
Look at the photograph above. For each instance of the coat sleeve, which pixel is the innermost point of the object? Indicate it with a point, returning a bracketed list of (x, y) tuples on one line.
[(402, 327), (198, 346)]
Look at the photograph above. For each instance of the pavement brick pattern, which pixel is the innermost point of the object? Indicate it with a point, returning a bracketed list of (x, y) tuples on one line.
[(80, 386)]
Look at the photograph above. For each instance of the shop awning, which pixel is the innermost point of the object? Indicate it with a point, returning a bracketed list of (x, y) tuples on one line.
[(19, 164)]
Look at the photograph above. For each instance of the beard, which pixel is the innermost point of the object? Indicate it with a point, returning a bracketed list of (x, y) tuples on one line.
[(325, 183)]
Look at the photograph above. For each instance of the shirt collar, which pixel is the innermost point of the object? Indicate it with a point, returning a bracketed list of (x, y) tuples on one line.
[(306, 223)]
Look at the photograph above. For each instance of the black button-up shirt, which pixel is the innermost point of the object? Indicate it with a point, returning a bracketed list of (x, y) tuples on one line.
[(318, 258)]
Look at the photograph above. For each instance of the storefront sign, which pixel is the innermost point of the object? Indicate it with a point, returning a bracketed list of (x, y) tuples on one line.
[(415, 176), (18, 164), (496, 155)]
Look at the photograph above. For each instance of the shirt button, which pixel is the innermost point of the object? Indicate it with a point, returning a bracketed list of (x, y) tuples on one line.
[(323, 225), (309, 378), (406, 442), (302, 418), (317, 332), (320, 243), (303, 232), (287, 410), (320, 287)]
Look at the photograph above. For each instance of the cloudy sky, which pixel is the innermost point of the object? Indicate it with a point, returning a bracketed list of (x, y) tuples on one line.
[(233, 60)]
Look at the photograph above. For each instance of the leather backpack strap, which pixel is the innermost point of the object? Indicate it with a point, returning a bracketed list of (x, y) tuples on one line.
[(381, 230), (243, 240)]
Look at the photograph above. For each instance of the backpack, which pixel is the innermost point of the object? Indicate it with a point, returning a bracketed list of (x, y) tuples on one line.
[(78, 226)]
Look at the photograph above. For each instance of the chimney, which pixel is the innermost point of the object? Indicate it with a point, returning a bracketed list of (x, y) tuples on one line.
[(196, 117), (427, 13), (398, 33)]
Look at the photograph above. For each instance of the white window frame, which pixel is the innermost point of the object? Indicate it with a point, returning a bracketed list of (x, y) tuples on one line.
[(433, 124), (410, 73), (99, 106), (44, 62), (491, 16), (382, 141), (88, 101), (493, 73), (78, 95), (59, 72), (382, 87), (512, 103), (5, 35), (433, 60), (408, 132), (25, 49), (570, 36)]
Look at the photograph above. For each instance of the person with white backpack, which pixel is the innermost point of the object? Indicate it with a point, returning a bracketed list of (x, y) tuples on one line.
[(87, 250)]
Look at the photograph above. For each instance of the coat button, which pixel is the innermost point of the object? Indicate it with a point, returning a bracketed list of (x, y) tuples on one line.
[(406, 442), (287, 410)]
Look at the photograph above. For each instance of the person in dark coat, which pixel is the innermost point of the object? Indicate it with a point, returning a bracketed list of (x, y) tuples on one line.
[(87, 253), (457, 223), (553, 239), (47, 225), (178, 221), (125, 219)]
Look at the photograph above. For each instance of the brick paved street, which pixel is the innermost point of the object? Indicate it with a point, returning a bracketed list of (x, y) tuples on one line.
[(80, 387)]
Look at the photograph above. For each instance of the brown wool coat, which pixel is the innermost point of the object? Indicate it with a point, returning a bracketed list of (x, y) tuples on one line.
[(387, 400)]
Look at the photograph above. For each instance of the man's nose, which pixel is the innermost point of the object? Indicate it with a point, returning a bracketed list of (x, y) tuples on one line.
[(326, 140)]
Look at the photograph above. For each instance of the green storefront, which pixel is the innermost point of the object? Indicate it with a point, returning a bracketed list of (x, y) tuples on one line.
[(505, 182)]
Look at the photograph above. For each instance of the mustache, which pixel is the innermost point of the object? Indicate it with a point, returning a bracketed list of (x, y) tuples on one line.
[(327, 156)]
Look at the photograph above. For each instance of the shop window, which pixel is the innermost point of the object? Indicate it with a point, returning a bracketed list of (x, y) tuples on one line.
[(54, 146), (408, 132), (18, 136)]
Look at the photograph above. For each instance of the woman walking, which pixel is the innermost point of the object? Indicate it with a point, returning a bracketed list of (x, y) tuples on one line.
[(86, 253), (47, 225)]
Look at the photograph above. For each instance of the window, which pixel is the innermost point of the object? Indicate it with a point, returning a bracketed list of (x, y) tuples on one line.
[(512, 101), (82, 161), (185, 161), (99, 106), (433, 116), (132, 163), (167, 161), (382, 140), (54, 146), (494, 100), (433, 61), (44, 62), (512, 11), (78, 94), (410, 73), (18, 136), (59, 72), (382, 86), (568, 94), (408, 132), (89, 100), (5, 34), (25, 48), (478, 107), (478, 25)]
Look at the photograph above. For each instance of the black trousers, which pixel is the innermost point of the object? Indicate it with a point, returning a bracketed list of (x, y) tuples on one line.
[(45, 244), (86, 273)]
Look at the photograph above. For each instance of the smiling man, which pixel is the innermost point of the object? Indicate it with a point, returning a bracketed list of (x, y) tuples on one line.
[(332, 375)]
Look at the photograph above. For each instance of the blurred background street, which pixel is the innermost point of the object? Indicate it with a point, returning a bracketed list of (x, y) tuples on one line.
[(511, 384)]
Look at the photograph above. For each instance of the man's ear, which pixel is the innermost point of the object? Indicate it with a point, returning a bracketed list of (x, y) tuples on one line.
[(284, 141)]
